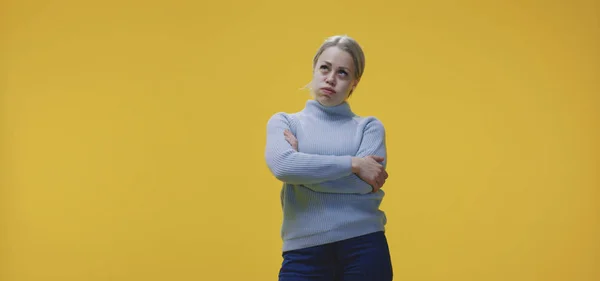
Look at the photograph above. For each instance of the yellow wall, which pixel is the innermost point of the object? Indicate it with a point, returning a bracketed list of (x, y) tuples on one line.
[(132, 135)]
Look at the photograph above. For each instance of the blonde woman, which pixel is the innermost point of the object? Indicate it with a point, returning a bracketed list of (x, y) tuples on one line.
[(332, 165)]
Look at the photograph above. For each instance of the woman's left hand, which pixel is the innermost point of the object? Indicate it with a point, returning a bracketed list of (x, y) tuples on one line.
[(291, 139)]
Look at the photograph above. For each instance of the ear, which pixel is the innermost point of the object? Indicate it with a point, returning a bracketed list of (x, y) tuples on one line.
[(355, 83)]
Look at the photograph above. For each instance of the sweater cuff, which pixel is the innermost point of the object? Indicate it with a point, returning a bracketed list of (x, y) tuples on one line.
[(346, 165)]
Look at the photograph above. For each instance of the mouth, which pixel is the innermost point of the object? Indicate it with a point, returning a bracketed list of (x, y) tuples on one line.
[(328, 90)]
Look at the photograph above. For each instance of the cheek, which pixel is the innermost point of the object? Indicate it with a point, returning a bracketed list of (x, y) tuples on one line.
[(345, 86), (318, 78), (315, 75), (315, 79)]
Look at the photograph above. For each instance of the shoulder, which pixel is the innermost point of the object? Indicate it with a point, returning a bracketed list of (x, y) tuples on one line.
[(282, 117), (283, 120), (371, 123)]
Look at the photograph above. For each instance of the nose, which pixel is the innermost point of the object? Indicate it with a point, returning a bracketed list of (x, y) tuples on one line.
[(330, 79)]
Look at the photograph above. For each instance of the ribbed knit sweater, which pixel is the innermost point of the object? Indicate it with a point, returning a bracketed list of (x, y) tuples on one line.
[(322, 200)]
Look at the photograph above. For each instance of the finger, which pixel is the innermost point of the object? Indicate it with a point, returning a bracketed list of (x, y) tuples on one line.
[(377, 163), (377, 184), (292, 142), (377, 158), (289, 135), (374, 186)]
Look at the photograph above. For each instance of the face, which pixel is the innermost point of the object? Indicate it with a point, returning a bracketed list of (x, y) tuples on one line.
[(333, 77)]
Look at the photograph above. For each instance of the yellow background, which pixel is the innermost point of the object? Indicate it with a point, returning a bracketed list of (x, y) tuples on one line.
[(133, 132)]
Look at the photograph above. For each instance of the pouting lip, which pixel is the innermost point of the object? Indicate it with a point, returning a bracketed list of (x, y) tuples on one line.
[(328, 90)]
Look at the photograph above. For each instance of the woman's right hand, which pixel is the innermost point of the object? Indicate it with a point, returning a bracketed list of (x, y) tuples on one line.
[(370, 170)]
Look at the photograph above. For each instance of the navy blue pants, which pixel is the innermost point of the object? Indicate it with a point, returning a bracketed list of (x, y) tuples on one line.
[(363, 258)]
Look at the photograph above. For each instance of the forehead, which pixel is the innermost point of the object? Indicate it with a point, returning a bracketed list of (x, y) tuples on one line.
[(337, 57)]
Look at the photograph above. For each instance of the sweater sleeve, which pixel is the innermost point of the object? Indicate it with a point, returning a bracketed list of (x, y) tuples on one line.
[(293, 167), (373, 143)]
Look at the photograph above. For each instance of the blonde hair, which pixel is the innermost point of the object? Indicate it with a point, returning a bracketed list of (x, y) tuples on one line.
[(348, 44)]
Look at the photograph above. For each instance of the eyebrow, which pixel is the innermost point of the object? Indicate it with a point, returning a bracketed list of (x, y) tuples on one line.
[(343, 67)]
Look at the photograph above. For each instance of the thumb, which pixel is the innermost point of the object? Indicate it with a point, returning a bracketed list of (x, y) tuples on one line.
[(377, 158)]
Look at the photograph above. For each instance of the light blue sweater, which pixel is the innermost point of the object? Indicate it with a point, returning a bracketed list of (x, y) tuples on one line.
[(322, 200)]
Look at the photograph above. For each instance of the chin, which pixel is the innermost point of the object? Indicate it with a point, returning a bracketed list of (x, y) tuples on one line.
[(327, 101)]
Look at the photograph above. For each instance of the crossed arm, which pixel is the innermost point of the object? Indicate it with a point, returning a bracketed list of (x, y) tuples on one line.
[(322, 173)]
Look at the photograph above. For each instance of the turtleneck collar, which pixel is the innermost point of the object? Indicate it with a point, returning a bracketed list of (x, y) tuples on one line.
[(316, 108)]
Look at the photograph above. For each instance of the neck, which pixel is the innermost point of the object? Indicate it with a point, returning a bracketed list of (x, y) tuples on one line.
[(343, 109)]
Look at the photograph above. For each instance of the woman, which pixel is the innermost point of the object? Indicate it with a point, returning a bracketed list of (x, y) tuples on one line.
[(332, 163)]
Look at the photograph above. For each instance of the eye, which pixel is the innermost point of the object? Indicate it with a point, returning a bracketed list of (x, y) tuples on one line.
[(343, 72), (324, 67)]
